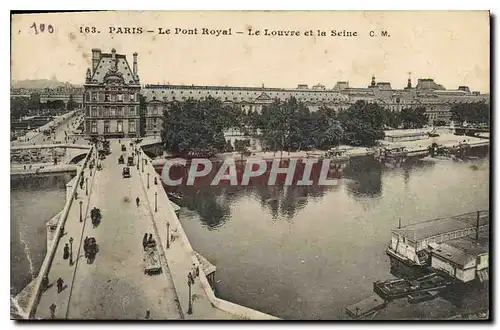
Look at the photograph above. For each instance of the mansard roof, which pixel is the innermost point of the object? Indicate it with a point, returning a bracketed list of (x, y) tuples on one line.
[(107, 71)]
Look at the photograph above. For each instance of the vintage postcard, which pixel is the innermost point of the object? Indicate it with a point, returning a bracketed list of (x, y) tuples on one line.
[(305, 165)]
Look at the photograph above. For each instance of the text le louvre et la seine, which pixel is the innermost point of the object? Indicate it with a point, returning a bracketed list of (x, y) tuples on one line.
[(231, 32)]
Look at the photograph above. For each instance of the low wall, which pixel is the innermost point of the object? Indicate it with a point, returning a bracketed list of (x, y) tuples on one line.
[(232, 308), (44, 269)]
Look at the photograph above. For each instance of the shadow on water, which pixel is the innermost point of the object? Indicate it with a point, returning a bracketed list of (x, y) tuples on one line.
[(364, 177)]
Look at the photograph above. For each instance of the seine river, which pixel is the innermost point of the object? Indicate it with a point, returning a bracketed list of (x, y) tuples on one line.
[(33, 201), (307, 253), (294, 252)]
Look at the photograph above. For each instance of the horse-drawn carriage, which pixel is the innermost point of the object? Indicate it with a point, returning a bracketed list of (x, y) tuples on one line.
[(91, 249), (95, 216), (152, 263), (121, 160)]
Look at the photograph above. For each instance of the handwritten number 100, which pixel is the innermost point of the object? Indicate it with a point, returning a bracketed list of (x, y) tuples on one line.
[(41, 27)]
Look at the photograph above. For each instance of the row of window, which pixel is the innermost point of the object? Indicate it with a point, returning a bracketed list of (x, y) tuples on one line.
[(112, 128), (152, 123), (111, 97), (97, 111)]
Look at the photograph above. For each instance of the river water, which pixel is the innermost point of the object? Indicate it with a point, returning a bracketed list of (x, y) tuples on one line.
[(295, 252), (33, 201), (307, 252)]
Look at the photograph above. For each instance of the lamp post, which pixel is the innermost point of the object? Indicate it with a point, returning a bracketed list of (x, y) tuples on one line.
[(156, 201), (168, 235), (143, 165), (148, 180), (190, 307), (71, 250), (87, 186), (81, 203)]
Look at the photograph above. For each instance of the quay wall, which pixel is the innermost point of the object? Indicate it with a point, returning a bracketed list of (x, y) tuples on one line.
[(224, 305), (44, 269)]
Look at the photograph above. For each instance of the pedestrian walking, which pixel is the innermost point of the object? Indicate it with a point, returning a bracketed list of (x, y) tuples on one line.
[(148, 314), (193, 270), (66, 252), (150, 239), (137, 200), (197, 271), (53, 311), (190, 278), (60, 283), (145, 241)]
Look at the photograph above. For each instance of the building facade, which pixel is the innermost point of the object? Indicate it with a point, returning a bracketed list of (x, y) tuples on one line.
[(111, 96)]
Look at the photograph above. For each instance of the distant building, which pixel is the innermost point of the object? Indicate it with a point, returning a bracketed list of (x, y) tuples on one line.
[(111, 96)]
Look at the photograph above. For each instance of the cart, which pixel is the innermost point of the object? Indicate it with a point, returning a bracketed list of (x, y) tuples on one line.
[(152, 263)]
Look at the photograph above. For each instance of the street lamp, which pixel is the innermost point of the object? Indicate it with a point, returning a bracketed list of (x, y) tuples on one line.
[(143, 165), (148, 180), (81, 203), (87, 186), (190, 307), (168, 235), (71, 250), (156, 202)]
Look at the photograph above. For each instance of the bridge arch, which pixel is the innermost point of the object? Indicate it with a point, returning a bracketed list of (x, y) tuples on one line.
[(76, 159)]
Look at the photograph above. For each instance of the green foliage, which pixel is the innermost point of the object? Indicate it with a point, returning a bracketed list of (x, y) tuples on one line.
[(195, 128), (477, 113), (71, 103), (242, 146), (363, 123), (413, 118)]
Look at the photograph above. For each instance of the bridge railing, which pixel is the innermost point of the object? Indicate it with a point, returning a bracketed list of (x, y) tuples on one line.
[(47, 262)]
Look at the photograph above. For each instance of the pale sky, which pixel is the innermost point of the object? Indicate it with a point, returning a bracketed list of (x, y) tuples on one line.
[(451, 47)]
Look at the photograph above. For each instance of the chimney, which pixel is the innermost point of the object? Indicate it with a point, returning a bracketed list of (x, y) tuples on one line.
[(96, 56), (113, 57), (134, 69)]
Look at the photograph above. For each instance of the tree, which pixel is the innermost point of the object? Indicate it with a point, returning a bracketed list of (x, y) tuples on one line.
[(195, 128), (478, 112), (413, 118), (71, 103), (241, 146), (363, 123)]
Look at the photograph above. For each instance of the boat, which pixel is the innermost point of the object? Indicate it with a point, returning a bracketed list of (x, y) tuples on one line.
[(175, 197), (401, 288), (417, 297)]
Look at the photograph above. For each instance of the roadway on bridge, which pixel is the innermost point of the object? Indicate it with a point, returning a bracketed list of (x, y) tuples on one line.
[(115, 286)]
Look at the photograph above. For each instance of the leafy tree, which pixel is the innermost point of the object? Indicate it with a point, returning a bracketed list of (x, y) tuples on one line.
[(195, 128), (478, 112), (413, 118), (241, 146), (363, 123), (71, 103)]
